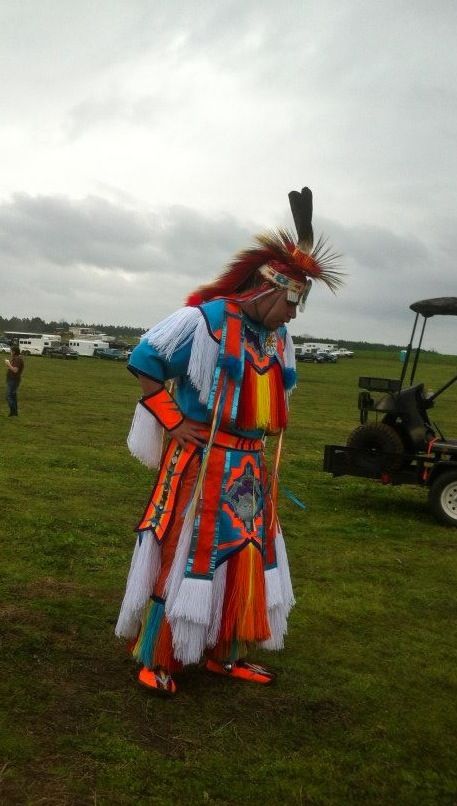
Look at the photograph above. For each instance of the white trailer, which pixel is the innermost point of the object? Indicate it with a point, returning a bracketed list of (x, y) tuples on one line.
[(34, 343), (87, 347), (314, 347)]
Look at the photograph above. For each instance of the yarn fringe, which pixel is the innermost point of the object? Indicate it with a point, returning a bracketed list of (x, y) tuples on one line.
[(289, 353), (244, 614), (273, 588), (277, 620), (145, 439), (193, 602), (280, 597), (195, 621), (217, 602), (163, 650), (290, 363), (284, 573), (277, 617), (153, 617), (189, 640), (143, 573), (178, 567), (173, 332), (203, 360), (189, 619), (262, 400)]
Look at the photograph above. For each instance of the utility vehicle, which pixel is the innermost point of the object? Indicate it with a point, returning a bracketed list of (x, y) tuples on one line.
[(402, 445)]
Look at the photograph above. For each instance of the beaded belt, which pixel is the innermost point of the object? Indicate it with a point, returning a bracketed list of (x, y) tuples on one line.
[(222, 439)]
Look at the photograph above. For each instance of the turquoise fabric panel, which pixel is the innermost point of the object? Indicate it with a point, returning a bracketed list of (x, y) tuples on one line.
[(146, 360), (213, 312)]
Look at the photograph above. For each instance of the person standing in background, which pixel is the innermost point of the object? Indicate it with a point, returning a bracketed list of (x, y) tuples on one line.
[(14, 370)]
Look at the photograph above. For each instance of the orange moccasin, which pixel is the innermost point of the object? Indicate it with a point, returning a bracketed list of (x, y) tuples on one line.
[(158, 680), (241, 670)]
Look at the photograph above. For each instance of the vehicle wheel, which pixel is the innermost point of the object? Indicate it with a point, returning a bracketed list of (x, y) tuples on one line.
[(376, 448), (443, 497)]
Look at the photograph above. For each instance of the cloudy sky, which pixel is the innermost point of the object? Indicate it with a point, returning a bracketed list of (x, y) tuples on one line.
[(143, 142)]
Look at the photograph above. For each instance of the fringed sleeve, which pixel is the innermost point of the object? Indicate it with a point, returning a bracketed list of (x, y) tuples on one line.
[(179, 346), (203, 360), (145, 438), (163, 353), (174, 332)]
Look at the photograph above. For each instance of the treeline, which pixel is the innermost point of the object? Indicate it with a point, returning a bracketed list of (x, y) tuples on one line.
[(35, 324)]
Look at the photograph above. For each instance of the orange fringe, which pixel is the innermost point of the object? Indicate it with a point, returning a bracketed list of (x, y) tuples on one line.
[(163, 650), (244, 614)]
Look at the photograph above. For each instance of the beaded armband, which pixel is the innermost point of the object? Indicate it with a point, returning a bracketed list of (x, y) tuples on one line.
[(164, 408)]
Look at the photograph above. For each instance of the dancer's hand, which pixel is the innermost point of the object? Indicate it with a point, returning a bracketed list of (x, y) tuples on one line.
[(186, 432)]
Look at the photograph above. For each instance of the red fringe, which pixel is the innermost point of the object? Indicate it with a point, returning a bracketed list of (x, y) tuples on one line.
[(278, 398), (248, 398)]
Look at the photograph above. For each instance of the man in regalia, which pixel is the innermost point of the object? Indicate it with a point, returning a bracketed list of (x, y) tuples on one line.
[(209, 576)]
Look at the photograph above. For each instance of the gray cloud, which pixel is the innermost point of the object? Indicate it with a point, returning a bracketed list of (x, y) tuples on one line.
[(95, 233), (143, 143), (93, 259)]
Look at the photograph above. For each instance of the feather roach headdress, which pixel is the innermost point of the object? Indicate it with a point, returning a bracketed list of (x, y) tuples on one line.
[(278, 260)]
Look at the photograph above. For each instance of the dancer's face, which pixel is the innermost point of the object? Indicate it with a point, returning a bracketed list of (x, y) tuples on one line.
[(273, 310)]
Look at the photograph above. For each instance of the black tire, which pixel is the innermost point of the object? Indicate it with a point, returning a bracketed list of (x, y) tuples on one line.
[(375, 448), (443, 497)]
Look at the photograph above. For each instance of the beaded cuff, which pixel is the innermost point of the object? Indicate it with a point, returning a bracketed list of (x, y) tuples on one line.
[(164, 408)]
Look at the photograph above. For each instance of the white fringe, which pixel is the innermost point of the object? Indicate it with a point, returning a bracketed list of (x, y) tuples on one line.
[(195, 617), (203, 360), (289, 353), (143, 573), (283, 568), (145, 439), (178, 567), (278, 628), (217, 603), (189, 619), (173, 332), (273, 588), (189, 640), (193, 602), (280, 597)]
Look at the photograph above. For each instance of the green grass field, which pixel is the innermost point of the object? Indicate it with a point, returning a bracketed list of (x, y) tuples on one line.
[(364, 710)]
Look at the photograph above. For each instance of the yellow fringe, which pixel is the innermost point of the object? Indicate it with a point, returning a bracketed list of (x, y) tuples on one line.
[(263, 400)]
